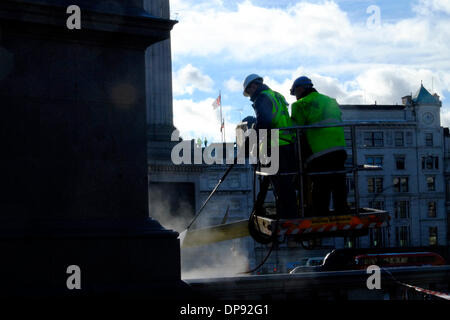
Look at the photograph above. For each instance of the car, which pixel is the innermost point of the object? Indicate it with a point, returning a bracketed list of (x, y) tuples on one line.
[(312, 265), (316, 261)]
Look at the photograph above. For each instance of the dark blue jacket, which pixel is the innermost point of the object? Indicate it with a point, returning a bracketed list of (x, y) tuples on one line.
[(263, 108)]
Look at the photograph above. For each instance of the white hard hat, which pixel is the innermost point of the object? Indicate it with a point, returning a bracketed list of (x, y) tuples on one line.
[(250, 79)]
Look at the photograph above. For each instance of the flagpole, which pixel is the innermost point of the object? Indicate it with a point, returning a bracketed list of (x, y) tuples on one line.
[(221, 117)]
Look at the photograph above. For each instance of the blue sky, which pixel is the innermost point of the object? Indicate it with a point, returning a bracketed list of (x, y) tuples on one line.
[(345, 51)]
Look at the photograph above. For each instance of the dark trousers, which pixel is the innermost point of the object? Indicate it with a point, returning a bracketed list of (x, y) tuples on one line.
[(284, 186), (323, 186)]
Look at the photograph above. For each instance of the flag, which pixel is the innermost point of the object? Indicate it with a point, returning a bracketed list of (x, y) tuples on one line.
[(216, 102), (222, 126)]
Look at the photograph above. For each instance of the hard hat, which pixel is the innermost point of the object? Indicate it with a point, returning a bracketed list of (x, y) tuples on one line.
[(250, 79), (301, 81), (250, 121)]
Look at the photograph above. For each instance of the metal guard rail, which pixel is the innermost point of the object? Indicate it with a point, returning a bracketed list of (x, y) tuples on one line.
[(355, 168)]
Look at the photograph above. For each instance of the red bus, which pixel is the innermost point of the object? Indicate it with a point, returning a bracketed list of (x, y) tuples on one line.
[(402, 259)]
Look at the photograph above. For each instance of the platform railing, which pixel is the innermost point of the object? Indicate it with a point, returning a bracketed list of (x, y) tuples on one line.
[(299, 130)]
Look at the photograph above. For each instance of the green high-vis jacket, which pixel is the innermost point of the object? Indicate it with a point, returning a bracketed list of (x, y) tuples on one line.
[(280, 117), (317, 108)]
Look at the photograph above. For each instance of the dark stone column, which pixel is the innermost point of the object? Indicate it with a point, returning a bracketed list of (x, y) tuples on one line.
[(159, 91), (74, 167)]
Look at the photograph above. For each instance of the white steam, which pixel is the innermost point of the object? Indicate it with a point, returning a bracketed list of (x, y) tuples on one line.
[(221, 259)]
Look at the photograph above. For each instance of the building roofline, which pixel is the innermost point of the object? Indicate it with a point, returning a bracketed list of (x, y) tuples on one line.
[(373, 106)]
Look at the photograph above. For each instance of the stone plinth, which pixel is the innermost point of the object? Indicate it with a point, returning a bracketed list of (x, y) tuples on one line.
[(74, 175)]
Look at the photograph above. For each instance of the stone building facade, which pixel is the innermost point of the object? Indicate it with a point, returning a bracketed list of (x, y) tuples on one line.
[(412, 184)]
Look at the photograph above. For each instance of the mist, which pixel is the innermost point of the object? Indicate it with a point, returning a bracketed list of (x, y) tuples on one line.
[(221, 259)]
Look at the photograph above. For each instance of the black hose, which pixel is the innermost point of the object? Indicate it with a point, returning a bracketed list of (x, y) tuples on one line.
[(259, 238), (262, 263), (212, 193)]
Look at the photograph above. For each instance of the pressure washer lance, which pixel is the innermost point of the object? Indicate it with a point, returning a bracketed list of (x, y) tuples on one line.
[(182, 235)]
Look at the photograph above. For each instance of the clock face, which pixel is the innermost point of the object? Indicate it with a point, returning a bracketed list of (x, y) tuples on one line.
[(428, 118)]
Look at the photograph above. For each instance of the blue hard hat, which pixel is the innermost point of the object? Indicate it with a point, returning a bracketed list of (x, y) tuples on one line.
[(250, 121), (301, 82)]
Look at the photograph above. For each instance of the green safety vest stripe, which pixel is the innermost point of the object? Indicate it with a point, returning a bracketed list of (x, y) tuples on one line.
[(280, 117), (316, 108)]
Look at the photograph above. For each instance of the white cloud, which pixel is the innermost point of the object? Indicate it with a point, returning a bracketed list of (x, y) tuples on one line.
[(445, 118), (254, 32), (319, 33), (319, 40), (233, 85), (425, 7), (384, 84), (189, 79), (344, 93), (315, 30), (200, 120)]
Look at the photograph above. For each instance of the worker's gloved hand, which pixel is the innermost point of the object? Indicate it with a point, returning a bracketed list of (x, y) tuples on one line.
[(251, 122)]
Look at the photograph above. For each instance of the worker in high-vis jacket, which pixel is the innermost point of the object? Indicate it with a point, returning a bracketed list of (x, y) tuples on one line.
[(327, 146), (272, 112)]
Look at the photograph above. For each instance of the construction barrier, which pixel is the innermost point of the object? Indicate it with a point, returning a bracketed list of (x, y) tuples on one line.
[(441, 295)]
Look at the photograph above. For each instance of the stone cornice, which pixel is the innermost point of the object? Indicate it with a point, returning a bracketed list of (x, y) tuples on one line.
[(133, 27)]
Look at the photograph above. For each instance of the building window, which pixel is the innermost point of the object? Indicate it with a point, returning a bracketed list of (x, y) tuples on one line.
[(350, 242), (374, 160), (400, 184), (431, 183), (402, 236), (350, 185), (376, 205), (401, 209), (234, 181), (399, 139), (373, 139), (429, 139), (432, 209), (400, 162), (409, 138), (348, 138), (430, 163), (376, 237), (375, 185), (349, 161), (433, 236)]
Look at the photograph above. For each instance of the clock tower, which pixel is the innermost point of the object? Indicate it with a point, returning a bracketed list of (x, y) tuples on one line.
[(427, 107)]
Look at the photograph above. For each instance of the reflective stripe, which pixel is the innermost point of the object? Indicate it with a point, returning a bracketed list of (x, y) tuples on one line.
[(280, 117), (318, 109)]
